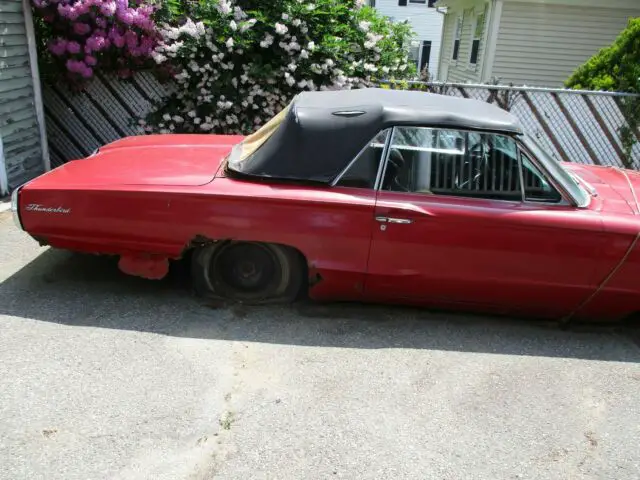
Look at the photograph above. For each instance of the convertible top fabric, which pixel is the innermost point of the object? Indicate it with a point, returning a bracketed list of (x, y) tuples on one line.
[(321, 132)]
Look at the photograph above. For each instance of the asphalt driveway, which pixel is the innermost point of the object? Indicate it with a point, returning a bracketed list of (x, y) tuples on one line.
[(108, 376)]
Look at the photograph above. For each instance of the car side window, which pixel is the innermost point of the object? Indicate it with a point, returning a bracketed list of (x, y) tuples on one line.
[(454, 163), (536, 186), (363, 171)]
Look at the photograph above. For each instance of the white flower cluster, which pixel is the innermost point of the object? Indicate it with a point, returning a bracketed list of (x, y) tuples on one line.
[(218, 89)]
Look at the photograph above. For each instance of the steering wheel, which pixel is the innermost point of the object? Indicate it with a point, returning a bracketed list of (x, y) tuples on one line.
[(474, 167)]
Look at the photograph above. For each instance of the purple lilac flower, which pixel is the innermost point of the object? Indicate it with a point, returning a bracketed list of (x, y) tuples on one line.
[(145, 23), (73, 47), (90, 60), (67, 11), (118, 41), (63, 10), (75, 66), (131, 38), (101, 22), (58, 46), (86, 71), (108, 8), (146, 45), (126, 17), (81, 8), (95, 43), (147, 9), (81, 28), (122, 5)]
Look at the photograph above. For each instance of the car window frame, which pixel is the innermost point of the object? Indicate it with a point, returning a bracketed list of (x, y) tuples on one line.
[(566, 199), (387, 140), (565, 193), (458, 197)]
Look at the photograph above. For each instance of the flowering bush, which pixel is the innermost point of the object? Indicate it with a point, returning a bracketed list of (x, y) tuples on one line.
[(83, 35), (236, 64)]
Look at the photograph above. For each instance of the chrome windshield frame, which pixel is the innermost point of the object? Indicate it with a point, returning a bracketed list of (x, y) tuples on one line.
[(569, 186)]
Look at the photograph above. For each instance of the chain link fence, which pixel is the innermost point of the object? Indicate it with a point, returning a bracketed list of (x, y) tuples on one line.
[(575, 125), (106, 110)]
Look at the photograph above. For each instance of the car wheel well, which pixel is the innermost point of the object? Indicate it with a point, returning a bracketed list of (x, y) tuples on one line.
[(199, 244)]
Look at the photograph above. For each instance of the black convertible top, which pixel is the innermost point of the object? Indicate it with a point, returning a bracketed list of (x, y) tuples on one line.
[(321, 132)]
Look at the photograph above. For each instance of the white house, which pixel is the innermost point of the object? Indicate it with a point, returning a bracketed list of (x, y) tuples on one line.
[(23, 144), (526, 42), (426, 22)]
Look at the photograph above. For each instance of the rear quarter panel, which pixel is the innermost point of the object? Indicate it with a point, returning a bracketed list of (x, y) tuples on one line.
[(331, 227)]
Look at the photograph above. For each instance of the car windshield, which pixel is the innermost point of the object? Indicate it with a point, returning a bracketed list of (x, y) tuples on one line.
[(558, 172)]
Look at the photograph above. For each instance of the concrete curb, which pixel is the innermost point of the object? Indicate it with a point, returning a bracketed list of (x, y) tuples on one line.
[(5, 204)]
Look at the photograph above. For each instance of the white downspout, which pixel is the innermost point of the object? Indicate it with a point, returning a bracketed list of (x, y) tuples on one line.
[(37, 89), (442, 46), (4, 181), (491, 40)]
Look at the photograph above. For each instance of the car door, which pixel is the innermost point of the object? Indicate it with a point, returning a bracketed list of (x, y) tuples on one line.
[(453, 228)]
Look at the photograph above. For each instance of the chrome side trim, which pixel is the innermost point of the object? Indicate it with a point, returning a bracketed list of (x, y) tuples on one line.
[(15, 207), (349, 113)]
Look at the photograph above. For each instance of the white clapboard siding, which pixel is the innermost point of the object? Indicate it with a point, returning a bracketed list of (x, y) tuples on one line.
[(446, 49), (426, 23), (461, 71), (542, 44), (22, 149)]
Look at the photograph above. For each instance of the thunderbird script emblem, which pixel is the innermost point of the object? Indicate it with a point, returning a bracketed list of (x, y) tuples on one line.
[(36, 207)]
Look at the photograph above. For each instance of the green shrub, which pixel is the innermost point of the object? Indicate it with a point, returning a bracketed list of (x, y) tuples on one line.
[(617, 68), (614, 68)]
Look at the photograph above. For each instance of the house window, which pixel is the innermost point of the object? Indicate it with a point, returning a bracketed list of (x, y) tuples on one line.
[(425, 56), (476, 33), (456, 39), (420, 54), (372, 3), (402, 3), (418, 1)]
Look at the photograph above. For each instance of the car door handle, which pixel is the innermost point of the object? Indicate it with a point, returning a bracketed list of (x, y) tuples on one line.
[(402, 221)]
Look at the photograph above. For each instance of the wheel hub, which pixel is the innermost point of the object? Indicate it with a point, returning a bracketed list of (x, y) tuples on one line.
[(246, 267)]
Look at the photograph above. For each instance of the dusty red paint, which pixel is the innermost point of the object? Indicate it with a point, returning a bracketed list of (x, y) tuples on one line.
[(152, 267), (153, 195)]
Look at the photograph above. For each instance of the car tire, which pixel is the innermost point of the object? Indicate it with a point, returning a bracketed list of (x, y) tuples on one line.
[(248, 272)]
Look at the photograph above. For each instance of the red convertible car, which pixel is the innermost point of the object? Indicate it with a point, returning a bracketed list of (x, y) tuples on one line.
[(370, 194)]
